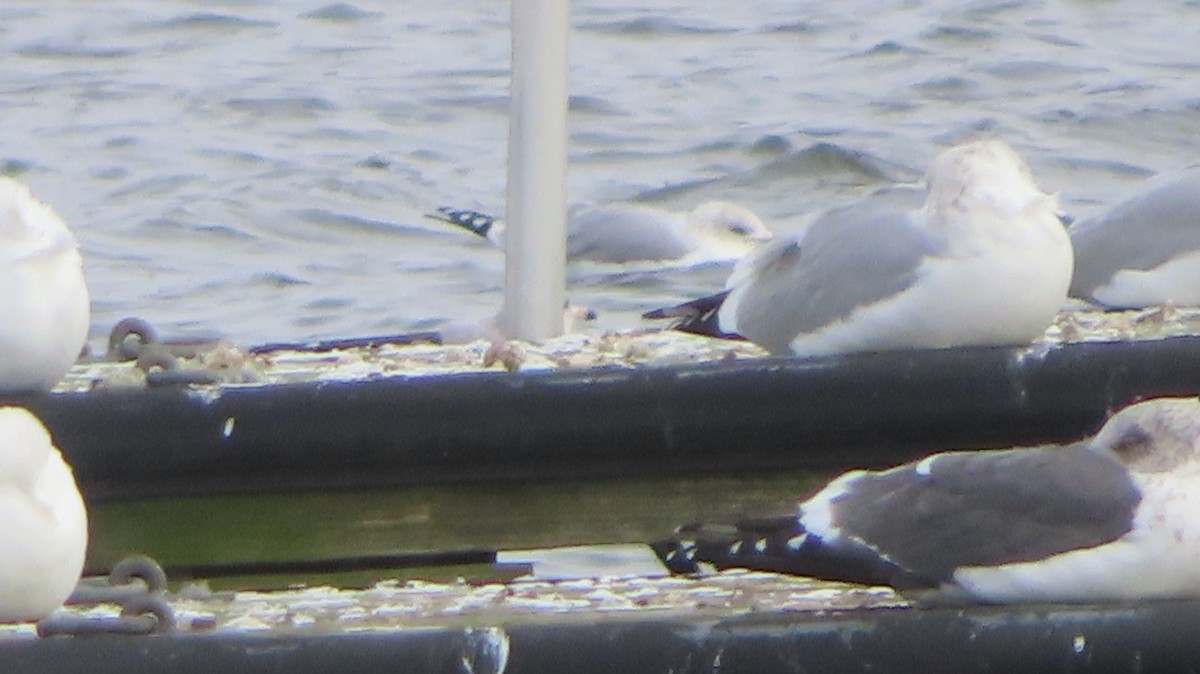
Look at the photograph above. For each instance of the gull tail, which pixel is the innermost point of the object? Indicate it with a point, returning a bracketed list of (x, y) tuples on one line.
[(698, 317), (475, 222), (778, 544)]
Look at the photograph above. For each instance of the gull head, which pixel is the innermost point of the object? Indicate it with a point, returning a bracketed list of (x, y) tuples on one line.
[(1154, 436), (25, 447), (727, 225), (983, 176), (28, 227)]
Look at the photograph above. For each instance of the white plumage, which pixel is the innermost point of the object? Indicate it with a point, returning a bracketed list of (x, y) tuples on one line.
[(1145, 250), (1111, 518), (990, 264), (44, 306), (1159, 557), (713, 231), (984, 261), (43, 522)]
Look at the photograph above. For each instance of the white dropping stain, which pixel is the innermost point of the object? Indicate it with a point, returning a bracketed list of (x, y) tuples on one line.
[(1079, 644), (227, 429)]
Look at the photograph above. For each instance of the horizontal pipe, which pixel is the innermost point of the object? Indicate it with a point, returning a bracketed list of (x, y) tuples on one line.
[(715, 418), (1150, 636)]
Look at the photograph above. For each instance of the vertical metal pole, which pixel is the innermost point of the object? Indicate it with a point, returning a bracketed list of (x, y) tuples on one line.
[(535, 238)]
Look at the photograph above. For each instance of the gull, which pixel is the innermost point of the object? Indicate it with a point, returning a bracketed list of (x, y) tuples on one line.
[(43, 523), (1145, 251), (714, 231), (985, 260), (1111, 518), (131, 335), (44, 307), (466, 331)]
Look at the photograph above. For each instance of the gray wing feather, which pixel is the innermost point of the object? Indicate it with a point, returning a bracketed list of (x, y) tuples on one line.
[(622, 234), (848, 258), (1159, 222), (988, 508)]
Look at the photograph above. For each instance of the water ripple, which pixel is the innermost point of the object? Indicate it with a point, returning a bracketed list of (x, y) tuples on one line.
[(341, 12), (651, 25), (261, 168), (209, 21), (67, 52)]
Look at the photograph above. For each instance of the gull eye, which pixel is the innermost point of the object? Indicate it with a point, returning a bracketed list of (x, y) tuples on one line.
[(1133, 442), (739, 229)]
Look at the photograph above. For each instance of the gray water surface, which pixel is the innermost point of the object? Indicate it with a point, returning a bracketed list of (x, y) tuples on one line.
[(259, 168)]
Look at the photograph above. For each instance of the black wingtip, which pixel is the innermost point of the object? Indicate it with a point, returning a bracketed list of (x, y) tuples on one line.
[(779, 544), (677, 554), (752, 544), (697, 317), (473, 221)]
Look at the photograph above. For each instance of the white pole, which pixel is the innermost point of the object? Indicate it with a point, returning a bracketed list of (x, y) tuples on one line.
[(535, 238)]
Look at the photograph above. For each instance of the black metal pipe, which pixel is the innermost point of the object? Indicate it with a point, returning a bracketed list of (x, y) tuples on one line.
[(1143, 637), (753, 415)]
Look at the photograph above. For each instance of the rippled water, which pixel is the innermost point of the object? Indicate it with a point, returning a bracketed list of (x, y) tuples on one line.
[(259, 168)]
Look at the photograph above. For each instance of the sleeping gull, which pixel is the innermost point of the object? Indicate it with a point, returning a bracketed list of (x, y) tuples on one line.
[(984, 261), (44, 306), (714, 231), (43, 523), (491, 328), (1145, 251), (1111, 518)]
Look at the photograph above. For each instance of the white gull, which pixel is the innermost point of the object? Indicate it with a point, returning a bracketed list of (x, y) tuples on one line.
[(1106, 519), (714, 231), (1145, 251), (43, 523), (984, 261), (44, 307)]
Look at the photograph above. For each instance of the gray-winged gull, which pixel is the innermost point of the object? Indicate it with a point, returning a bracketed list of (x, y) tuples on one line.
[(44, 307), (1145, 251), (43, 523), (1115, 517), (466, 331), (620, 233), (984, 261)]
